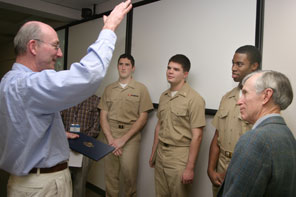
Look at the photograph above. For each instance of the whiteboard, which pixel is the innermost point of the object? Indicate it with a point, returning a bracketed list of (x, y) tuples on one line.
[(207, 31)]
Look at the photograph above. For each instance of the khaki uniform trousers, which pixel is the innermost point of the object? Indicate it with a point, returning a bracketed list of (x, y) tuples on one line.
[(169, 166), (56, 184), (125, 165), (222, 166)]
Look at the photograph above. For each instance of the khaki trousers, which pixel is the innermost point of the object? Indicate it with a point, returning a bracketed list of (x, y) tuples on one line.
[(169, 166), (56, 184), (222, 166), (125, 166)]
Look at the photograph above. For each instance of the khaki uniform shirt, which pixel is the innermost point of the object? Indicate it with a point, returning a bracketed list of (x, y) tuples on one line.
[(229, 123), (179, 114), (125, 104)]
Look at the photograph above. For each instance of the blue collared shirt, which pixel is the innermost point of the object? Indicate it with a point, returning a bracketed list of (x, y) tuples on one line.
[(263, 118), (31, 128)]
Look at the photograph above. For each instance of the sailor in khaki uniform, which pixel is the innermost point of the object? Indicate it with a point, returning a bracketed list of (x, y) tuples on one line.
[(124, 106), (227, 121), (178, 133)]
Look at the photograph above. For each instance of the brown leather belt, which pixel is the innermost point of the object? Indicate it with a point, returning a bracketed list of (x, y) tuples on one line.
[(56, 168)]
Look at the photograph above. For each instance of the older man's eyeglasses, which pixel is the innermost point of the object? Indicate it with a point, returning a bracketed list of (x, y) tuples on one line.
[(56, 46)]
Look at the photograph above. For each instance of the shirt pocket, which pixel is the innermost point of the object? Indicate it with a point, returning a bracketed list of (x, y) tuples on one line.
[(223, 114), (179, 115), (131, 104), (133, 98), (222, 124)]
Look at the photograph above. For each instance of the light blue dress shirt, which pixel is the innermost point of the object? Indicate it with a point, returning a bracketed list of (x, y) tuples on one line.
[(258, 122), (31, 129)]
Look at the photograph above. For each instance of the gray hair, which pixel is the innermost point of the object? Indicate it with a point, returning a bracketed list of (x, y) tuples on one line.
[(27, 32), (278, 82)]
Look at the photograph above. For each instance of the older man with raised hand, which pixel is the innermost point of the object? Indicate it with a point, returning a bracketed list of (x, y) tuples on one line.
[(264, 159), (33, 143)]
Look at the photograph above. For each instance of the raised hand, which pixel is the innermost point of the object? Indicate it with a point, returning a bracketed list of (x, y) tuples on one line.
[(116, 16)]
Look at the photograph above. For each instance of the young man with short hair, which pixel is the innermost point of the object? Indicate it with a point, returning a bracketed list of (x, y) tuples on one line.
[(124, 111), (178, 133)]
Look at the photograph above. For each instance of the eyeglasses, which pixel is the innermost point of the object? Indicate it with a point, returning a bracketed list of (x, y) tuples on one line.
[(56, 46)]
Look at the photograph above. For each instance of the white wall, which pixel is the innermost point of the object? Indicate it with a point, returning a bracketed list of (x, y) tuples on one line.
[(279, 46)]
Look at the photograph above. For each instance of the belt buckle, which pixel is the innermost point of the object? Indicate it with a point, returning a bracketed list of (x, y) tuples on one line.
[(228, 154), (120, 126)]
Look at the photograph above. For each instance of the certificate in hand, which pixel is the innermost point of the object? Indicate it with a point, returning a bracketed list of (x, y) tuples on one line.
[(90, 147)]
